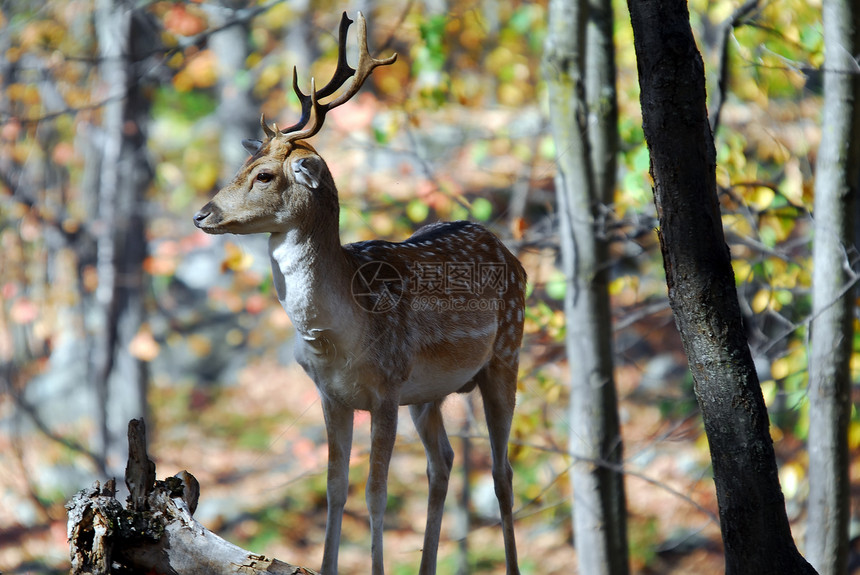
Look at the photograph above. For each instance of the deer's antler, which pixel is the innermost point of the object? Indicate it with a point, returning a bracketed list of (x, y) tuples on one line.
[(311, 102)]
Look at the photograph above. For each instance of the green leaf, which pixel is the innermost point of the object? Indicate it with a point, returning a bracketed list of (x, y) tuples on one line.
[(556, 286), (482, 209), (182, 106), (417, 210)]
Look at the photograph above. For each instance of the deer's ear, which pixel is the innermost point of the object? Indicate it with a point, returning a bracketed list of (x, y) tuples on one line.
[(308, 171), (252, 146)]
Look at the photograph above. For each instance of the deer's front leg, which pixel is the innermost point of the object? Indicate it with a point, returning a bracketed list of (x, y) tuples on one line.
[(383, 430), (339, 424)]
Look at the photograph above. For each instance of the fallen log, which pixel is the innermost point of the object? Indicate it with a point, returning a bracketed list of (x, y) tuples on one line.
[(156, 531)]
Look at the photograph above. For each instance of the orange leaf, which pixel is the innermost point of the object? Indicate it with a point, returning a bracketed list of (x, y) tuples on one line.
[(143, 346)]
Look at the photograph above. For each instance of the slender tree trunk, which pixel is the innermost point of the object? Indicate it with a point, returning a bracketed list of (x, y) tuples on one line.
[(601, 98), (121, 379), (238, 117), (834, 257), (584, 180), (111, 37), (755, 529)]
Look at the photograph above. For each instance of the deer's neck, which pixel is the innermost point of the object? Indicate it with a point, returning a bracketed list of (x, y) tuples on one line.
[(312, 278)]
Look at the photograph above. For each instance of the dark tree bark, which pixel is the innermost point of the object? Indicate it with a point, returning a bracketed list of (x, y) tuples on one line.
[(583, 113), (837, 177), (755, 529)]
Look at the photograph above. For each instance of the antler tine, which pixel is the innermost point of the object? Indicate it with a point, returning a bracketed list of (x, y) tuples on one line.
[(270, 133), (341, 74), (366, 64), (306, 103), (344, 71)]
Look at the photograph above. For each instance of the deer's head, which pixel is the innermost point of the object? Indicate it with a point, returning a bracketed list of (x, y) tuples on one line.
[(285, 182)]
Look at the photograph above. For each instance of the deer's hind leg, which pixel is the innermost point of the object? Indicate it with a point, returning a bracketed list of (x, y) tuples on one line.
[(498, 385), (440, 458)]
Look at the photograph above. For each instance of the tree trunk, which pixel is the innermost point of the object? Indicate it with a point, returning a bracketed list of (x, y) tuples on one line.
[(601, 98), (125, 174), (755, 529), (238, 118), (834, 256), (584, 180)]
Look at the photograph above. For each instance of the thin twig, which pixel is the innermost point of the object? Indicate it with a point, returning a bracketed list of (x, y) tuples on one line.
[(726, 29), (43, 427), (616, 467)]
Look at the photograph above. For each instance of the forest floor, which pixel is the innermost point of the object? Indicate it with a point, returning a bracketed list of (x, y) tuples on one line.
[(258, 451)]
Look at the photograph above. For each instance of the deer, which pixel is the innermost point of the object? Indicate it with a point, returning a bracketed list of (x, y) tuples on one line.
[(380, 324)]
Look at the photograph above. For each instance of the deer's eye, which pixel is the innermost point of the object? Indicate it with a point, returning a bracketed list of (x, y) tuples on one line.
[(265, 177)]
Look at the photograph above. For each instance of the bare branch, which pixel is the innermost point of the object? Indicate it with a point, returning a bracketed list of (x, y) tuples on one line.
[(726, 28)]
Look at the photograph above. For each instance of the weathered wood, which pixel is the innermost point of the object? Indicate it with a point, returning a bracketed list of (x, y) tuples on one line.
[(155, 532), (140, 470)]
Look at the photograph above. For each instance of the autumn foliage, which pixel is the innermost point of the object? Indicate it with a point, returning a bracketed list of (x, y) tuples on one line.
[(456, 130)]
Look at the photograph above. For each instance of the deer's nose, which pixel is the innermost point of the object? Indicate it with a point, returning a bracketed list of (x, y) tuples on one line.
[(208, 217), (201, 216)]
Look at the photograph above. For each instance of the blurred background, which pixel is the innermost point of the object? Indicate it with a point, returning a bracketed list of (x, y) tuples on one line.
[(118, 120)]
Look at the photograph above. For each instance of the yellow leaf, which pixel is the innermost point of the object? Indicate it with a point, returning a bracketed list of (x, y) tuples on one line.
[(235, 259), (553, 394), (768, 390), (743, 270), (853, 435), (789, 364), (737, 224), (790, 476), (200, 345), (279, 16), (202, 68), (269, 78), (761, 198), (854, 362), (617, 285), (779, 368), (776, 433), (204, 177), (761, 301)]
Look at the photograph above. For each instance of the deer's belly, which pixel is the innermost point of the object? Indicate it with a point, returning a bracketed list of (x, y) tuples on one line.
[(444, 368), (432, 382), (436, 372)]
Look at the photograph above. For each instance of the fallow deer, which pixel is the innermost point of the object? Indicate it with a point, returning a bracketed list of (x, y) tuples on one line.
[(381, 324)]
